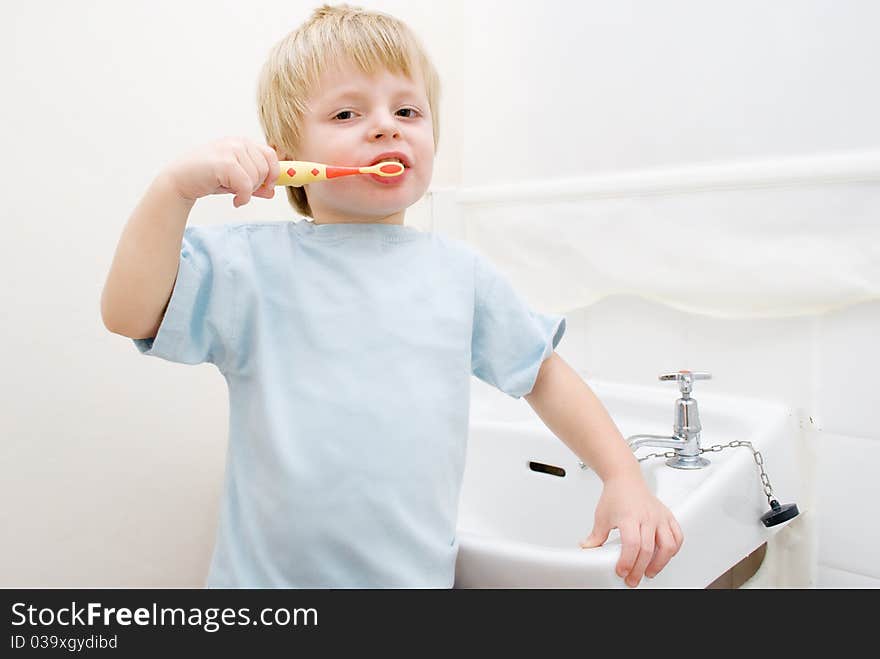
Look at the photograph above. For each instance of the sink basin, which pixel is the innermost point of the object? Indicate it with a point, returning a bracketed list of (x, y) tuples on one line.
[(526, 504)]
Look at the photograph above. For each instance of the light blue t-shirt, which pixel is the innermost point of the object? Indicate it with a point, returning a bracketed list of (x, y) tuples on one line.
[(348, 351)]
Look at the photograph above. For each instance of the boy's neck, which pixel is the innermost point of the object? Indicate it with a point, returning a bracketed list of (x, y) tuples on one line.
[(396, 218), (356, 222)]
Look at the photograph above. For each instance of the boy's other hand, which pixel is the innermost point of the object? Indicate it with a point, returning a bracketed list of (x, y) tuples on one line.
[(233, 165), (649, 532)]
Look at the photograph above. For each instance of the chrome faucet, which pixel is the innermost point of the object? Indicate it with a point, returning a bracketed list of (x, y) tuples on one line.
[(685, 438)]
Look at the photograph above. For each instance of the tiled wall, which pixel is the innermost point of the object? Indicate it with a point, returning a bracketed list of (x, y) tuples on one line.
[(826, 365)]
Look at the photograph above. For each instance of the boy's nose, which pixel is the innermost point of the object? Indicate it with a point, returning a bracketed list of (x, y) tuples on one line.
[(380, 133), (385, 126)]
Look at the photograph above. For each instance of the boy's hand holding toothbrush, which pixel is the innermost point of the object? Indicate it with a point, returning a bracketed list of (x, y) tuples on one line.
[(246, 168), (230, 165)]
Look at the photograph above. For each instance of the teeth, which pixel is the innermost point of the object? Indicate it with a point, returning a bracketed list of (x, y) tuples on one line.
[(398, 160)]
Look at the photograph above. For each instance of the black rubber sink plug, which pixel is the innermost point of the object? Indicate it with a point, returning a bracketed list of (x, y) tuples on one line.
[(779, 514)]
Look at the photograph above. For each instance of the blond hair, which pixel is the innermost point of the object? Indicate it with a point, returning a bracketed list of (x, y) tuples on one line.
[(372, 40)]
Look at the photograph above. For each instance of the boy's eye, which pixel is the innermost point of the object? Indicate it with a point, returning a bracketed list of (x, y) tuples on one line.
[(340, 117)]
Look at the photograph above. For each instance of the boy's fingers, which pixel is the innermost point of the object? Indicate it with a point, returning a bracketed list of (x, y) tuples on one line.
[(665, 549), (258, 168), (631, 541), (597, 536), (274, 167), (646, 553), (676, 533), (240, 184), (244, 162)]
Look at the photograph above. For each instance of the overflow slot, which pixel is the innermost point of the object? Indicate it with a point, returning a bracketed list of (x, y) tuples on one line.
[(546, 469)]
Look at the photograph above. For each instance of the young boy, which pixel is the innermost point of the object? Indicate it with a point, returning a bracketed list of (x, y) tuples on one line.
[(348, 342)]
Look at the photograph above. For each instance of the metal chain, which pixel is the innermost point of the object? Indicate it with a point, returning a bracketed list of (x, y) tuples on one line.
[(668, 454), (759, 460)]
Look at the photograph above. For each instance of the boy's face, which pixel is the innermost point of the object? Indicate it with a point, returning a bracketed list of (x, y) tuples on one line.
[(352, 120)]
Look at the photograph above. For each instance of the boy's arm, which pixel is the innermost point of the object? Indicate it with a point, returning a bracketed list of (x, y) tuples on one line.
[(571, 410), (144, 269), (649, 533)]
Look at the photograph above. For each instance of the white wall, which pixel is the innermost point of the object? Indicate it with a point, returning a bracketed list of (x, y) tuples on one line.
[(592, 87), (111, 462)]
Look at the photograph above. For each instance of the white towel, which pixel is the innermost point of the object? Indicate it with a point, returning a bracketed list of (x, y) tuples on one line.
[(731, 254), (768, 239)]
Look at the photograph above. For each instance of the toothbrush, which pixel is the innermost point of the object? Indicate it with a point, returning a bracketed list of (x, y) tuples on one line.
[(296, 173)]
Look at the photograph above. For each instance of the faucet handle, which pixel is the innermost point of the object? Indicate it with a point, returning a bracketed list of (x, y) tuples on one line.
[(686, 379)]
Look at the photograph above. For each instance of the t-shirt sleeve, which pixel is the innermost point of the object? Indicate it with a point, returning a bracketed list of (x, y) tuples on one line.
[(197, 324), (510, 341)]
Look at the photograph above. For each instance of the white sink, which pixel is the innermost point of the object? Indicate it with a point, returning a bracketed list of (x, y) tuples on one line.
[(520, 528)]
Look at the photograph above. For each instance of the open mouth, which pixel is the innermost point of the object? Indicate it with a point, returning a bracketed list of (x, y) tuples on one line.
[(394, 159)]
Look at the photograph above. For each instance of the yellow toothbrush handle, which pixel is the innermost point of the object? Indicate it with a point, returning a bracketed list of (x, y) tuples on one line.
[(296, 173), (299, 172)]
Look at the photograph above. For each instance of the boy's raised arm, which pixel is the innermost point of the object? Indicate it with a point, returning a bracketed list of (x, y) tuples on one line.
[(144, 268)]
